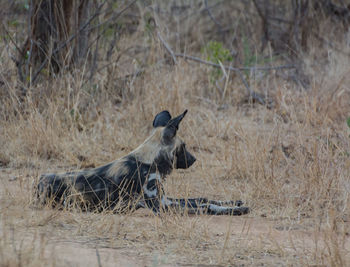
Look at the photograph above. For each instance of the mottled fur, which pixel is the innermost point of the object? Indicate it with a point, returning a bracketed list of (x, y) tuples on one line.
[(135, 180)]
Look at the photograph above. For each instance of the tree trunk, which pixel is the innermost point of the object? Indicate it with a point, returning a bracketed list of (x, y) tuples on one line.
[(50, 47)]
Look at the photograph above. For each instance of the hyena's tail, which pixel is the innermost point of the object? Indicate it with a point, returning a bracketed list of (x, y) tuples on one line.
[(50, 189)]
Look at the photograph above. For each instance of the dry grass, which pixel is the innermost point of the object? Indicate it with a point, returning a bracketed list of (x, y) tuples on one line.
[(290, 164)]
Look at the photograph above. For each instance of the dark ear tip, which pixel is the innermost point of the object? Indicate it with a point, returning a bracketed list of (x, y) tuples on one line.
[(161, 119)]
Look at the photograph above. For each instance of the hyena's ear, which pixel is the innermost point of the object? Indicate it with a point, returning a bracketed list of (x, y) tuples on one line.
[(172, 127), (161, 119)]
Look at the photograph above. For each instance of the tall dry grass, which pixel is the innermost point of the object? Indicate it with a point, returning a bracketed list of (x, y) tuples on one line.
[(290, 164)]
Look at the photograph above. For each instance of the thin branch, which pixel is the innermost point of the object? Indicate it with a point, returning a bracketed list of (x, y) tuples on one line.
[(331, 44), (107, 65), (29, 57), (11, 39), (264, 68), (211, 15), (167, 47), (94, 62), (253, 95), (116, 60), (13, 58), (112, 44), (113, 18)]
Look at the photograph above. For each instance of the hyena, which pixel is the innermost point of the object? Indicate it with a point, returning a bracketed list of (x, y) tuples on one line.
[(135, 180)]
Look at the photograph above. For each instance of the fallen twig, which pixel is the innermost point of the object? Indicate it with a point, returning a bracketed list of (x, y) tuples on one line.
[(252, 95), (264, 68)]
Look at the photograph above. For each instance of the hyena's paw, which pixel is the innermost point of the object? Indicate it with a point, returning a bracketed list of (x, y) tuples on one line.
[(237, 211), (226, 210)]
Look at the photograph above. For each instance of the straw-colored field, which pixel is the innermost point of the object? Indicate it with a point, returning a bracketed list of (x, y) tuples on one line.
[(290, 164)]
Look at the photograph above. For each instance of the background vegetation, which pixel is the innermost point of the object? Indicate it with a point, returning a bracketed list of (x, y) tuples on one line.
[(267, 88)]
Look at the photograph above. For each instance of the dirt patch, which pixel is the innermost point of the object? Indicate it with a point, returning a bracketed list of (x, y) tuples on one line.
[(64, 238)]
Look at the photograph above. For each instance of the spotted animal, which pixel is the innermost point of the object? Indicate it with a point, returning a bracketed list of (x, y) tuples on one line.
[(135, 180)]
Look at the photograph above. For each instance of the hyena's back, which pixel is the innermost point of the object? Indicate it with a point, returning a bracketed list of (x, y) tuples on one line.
[(102, 187), (85, 187)]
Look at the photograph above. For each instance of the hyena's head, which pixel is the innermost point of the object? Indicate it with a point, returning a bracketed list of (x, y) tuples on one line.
[(172, 152)]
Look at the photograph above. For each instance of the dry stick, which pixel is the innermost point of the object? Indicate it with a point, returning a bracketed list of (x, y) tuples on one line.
[(114, 17), (14, 59), (103, 31), (113, 62), (116, 60), (109, 19), (94, 62), (29, 57), (72, 37), (167, 47), (13, 41), (331, 44), (112, 45), (211, 15), (265, 68), (253, 95)]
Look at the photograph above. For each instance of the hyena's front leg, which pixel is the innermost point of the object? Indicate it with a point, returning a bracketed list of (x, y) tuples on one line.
[(152, 191), (205, 206), (155, 199)]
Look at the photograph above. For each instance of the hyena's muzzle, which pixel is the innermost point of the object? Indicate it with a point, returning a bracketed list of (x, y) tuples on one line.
[(184, 159)]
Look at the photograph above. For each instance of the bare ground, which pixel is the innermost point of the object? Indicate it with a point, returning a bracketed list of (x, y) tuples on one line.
[(290, 162), (62, 238)]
